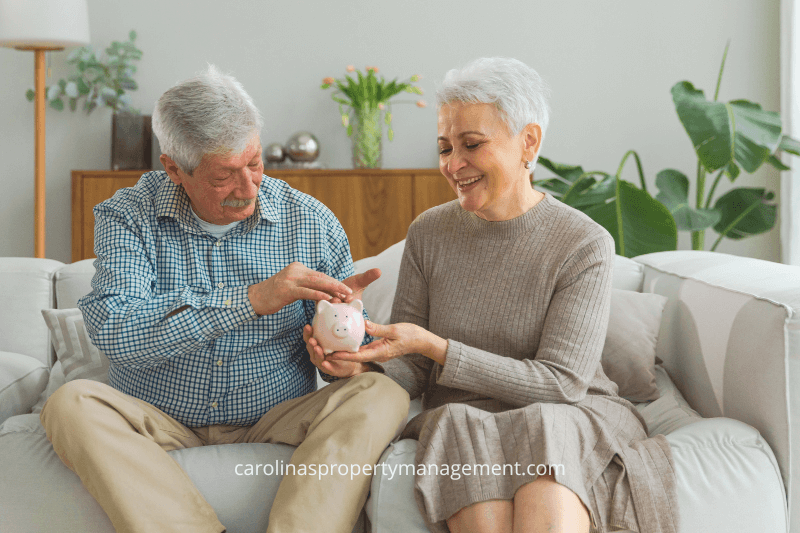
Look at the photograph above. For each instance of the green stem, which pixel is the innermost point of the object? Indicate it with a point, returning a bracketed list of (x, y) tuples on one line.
[(713, 187), (734, 222), (698, 237), (721, 68), (638, 166)]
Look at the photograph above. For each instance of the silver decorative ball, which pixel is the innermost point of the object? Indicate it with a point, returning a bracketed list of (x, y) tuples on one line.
[(274, 153), (302, 146)]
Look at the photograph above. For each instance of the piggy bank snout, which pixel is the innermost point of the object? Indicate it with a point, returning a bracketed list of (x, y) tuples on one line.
[(340, 331)]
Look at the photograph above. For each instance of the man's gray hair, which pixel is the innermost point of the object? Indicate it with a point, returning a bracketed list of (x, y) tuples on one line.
[(515, 89), (207, 114)]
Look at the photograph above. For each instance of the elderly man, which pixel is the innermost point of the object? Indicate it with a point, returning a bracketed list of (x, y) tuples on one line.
[(206, 275)]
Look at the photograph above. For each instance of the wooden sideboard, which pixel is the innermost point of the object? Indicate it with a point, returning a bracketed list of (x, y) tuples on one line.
[(375, 207)]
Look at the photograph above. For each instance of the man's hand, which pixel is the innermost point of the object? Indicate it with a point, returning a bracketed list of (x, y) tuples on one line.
[(358, 283), (340, 369), (295, 282)]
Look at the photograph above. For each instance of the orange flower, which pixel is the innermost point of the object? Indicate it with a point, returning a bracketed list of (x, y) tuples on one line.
[(328, 80), (373, 69), (381, 106), (351, 68), (421, 103)]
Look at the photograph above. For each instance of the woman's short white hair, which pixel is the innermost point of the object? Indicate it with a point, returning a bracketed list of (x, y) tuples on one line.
[(207, 114), (518, 92)]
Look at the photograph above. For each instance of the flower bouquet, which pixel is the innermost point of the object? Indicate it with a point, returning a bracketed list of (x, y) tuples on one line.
[(367, 98)]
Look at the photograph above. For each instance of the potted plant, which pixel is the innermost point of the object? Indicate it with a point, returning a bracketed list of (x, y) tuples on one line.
[(727, 137), (105, 81), (367, 99)]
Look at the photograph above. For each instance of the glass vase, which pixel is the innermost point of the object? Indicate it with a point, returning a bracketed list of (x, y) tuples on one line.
[(367, 136)]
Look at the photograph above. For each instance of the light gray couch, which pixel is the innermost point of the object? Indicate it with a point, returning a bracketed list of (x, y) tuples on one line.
[(729, 342)]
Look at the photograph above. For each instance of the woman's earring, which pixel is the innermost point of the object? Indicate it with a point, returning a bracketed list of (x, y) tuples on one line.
[(527, 164)]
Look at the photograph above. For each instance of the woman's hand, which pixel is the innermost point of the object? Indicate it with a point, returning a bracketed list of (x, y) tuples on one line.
[(397, 339), (340, 369)]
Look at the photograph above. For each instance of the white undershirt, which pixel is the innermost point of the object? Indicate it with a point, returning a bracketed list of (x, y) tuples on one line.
[(216, 230)]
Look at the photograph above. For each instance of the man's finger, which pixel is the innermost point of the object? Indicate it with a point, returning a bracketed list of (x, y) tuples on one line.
[(359, 282), (325, 283)]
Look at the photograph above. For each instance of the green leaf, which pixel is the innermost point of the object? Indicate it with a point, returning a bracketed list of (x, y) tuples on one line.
[(790, 145), (673, 188), (639, 223), (30, 94), (722, 132), (132, 35), (732, 171), (777, 163), (73, 104), (745, 212), (83, 88), (569, 174), (57, 104)]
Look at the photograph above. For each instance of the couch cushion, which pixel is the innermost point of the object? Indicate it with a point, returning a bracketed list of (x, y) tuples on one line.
[(22, 380), (79, 358), (26, 287), (731, 341), (73, 281), (629, 352)]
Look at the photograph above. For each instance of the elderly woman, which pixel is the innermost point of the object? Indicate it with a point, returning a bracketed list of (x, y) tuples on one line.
[(499, 322)]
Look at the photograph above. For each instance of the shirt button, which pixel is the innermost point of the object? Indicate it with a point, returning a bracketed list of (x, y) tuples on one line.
[(220, 284), (218, 243), (214, 404), (219, 362)]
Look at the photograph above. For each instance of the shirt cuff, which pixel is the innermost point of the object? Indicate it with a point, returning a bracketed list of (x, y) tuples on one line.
[(449, 373)]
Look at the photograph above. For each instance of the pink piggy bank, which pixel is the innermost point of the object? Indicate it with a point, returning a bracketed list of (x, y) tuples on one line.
[(339, 327)]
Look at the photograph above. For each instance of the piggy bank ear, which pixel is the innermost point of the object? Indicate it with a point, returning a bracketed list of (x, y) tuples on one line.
[(323, 305), (358, 305)]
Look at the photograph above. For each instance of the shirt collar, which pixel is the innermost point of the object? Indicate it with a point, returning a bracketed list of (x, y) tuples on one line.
[(173, 202)]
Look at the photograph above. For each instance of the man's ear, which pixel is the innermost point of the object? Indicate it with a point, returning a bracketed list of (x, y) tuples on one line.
[(532, 140), (171, 167)]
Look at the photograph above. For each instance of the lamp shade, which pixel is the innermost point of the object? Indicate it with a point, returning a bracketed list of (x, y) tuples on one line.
[(44, 23)]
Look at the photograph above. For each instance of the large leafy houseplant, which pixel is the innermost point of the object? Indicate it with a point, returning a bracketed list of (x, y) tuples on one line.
[(98, 81), (726, 136), (639, 223)]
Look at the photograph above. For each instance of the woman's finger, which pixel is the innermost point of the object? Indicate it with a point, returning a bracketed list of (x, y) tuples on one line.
[(377, 330)]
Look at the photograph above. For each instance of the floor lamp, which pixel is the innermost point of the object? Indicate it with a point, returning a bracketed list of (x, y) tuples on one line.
[(42, 26)]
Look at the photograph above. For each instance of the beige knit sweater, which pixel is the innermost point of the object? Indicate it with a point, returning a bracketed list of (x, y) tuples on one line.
[(524, 305)]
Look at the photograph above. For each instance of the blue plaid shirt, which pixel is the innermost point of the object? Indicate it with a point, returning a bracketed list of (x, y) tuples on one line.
[(216, 362)]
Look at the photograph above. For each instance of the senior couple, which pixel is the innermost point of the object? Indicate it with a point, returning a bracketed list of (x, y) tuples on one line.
[(206, 280)]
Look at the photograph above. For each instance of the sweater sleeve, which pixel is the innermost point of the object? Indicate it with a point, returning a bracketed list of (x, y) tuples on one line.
[(410, 371), (570, 345)]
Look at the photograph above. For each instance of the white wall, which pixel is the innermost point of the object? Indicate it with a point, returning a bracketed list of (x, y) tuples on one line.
[(610, 64)]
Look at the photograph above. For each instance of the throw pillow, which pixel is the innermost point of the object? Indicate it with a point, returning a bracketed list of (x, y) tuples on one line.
[(629, 353), (22, 379), (79, 358)]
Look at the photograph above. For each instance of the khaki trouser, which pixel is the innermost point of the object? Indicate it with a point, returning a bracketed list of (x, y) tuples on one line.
[(117, 445)]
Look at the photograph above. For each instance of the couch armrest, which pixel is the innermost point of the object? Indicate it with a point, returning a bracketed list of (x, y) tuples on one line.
[(730, 340), (22, 380)]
